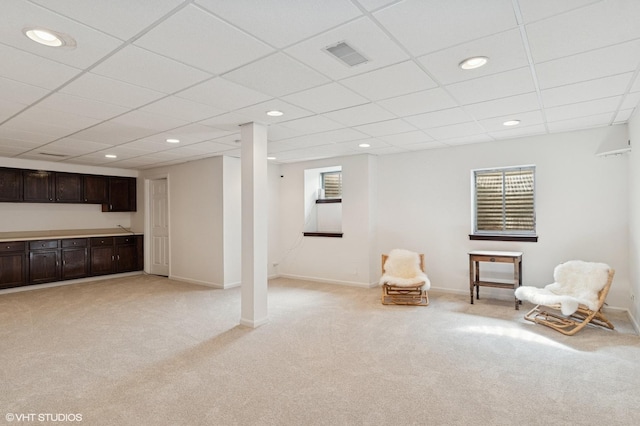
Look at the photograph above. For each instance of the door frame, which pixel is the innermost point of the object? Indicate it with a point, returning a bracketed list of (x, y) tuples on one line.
[(148, 246)]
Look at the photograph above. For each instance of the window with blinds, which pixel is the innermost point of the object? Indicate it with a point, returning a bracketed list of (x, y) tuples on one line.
[(332, 184), (505, 201)]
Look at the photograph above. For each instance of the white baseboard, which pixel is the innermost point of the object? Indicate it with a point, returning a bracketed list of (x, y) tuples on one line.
[(69, 282), (253, 323), (197, 282), (326, 281)]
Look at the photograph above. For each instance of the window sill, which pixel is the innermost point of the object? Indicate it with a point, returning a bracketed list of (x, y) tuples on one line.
[(328, 200), (323, 234), (521, 238)]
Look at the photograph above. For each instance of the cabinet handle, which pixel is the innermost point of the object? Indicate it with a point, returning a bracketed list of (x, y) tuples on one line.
[(118, 257), (112, 258)]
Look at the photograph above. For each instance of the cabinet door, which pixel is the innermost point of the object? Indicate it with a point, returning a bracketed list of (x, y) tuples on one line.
[(126, 259), (68, 188), (122, 195), (38, 186), (12, 269), (102, 260), (74, 263), (96, 189), (43, 266), (10, 184)]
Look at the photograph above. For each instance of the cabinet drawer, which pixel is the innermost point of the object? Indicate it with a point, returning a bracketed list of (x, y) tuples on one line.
[(101, 241), (500, 259), (74, 242), (12, 246), (43, 244), (131, 239)]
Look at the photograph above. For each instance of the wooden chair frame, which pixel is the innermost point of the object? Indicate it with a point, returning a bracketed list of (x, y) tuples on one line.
[(396, 295), (570, 325)]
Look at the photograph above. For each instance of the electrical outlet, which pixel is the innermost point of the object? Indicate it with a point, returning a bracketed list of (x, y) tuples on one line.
[(633, 297)]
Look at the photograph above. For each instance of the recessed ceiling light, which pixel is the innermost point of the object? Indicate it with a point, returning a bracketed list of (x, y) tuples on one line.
[(111, 156), (271, 158), (275, 113), (364, 145), (511, 123), (173, 140), (473, 62), (49, 38)]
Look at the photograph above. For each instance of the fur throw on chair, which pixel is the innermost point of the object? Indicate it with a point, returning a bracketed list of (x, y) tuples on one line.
[(576, 283), (402, 269)]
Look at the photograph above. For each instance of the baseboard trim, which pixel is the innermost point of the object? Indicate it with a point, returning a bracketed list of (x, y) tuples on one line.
[(197, 282), (69, 282), (326, 281), (253, 323)]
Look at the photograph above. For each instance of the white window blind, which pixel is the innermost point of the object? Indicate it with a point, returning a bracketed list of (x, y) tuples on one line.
[(505, 201), (332, 184)]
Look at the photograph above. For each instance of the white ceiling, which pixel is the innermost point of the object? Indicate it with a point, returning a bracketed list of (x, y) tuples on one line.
[(147, 70)]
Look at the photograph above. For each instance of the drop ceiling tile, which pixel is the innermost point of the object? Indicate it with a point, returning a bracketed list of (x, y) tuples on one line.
[(363, 35), (14, 91), (123, 152), (395, 80), (587, 90), (435, 28), (204, 41), (466, 140), (28, 137), (598, 25), (23, 123), (418, 102), (39, 117), (519, 132), (424, 145), (313, 124), (91, 45), (454, 131), (11, 151), (183, 109), (277, 75), (285, 21), (113, 133), (527, 119), (582, 123), (631, 101), (208, 147), (149, 144), (27, 68), (277, 132), (375, 4), (133, 64), (362, 114), (383, 128), (407, 138), (444, 117), (623, 115), (636, 85), (120, 18), (81, 106), (581, 109), (372, 142), (328, 97), (535, 10), (258, 112), (103, 89), (9, 108), (229, 121), (191, 133), (147, 120), (504, 50), (20, 145), (493, 86), (499, 107), (223, 94), (590, 65), (71, 146), (385, 150)]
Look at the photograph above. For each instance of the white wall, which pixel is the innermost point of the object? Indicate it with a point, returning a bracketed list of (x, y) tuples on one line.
[(232, 221), (634, 216), (581, 205), (340, 260), (16, 217)]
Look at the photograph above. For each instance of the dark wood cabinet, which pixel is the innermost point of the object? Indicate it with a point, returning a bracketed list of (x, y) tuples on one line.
[(68, 188), (102, 258), (96, 189), (13, 271), (75, 258), (10, 185), (122, 195), (38, 186), (44, 264), (126, 254)]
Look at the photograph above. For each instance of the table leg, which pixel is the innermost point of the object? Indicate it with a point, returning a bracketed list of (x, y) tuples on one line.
[(471, 274), (477, 280), (516, 279)]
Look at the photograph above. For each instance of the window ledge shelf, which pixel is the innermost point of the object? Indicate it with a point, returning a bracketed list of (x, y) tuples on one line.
[(328, 200), (323, 234), (522, 238)]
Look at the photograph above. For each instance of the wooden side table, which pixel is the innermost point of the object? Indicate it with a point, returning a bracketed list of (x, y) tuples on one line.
[(475, 257)]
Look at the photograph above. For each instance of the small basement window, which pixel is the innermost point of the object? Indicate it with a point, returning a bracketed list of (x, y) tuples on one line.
[(323, 202)]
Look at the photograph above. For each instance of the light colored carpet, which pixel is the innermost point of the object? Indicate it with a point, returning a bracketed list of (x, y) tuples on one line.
[(146, 350)]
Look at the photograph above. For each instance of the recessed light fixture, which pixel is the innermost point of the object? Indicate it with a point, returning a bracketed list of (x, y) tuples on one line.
[(49, 38), (271, 158), (511, 123), (275, 113), (170, 140), (111, 156), (364, 145), (473, 62)]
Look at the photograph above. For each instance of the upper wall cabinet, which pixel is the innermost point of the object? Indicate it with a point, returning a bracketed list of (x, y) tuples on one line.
[(38, 186), (114, 193), (10, 185), (68, 188)]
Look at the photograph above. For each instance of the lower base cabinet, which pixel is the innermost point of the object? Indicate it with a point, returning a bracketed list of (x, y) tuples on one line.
[(37, 262)]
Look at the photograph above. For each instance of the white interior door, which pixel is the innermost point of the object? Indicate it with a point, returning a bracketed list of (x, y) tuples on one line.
[(159, 220)]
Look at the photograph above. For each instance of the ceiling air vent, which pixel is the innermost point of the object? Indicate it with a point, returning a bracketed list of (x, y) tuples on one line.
[(53, 155), (346, 54)]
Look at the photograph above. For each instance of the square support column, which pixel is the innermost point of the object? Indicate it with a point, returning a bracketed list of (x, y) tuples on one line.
[(253, 160)]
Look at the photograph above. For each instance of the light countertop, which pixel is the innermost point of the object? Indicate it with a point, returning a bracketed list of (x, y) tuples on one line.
[(65, 233)]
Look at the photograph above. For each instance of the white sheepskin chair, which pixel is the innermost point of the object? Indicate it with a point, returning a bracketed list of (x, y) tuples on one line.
[(403, 280), (578, 292)]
